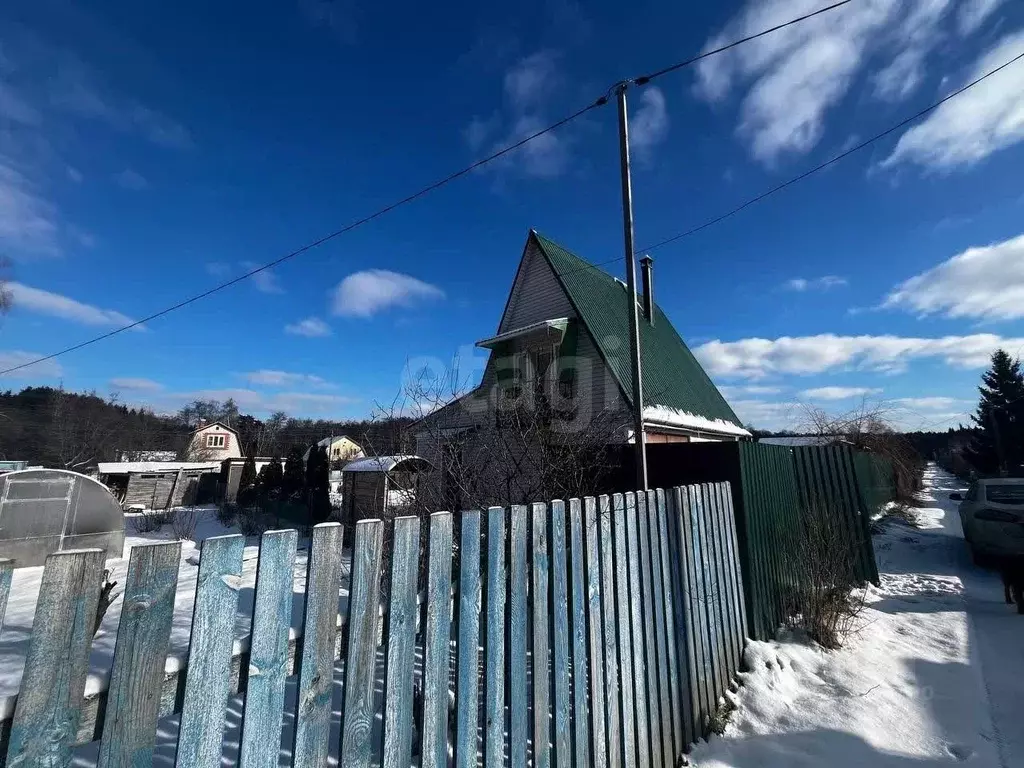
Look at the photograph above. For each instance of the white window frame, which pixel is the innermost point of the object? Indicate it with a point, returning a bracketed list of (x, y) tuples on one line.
[(216, 441)]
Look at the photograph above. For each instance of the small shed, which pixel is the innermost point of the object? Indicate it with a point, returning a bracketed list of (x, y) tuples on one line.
[(380, 486), (47, 510), (161, 484)]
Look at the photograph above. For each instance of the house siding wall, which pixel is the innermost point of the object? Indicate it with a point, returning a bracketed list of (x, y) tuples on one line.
[(198, 450), (536, 295)]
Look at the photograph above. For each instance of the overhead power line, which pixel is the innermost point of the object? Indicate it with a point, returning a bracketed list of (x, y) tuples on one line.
[(768, 193), (805, 174), (414, 196)]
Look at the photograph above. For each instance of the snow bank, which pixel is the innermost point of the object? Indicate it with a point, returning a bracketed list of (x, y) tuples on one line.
[(907, 690)]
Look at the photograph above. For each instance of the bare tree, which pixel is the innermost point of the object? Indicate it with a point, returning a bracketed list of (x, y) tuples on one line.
[(80, 435), (534, 442)]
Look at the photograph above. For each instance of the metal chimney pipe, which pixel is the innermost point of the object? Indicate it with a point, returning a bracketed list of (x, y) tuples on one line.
[(647, 275)]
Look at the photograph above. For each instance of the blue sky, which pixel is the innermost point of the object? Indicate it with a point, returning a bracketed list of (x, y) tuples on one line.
[(149, 151)]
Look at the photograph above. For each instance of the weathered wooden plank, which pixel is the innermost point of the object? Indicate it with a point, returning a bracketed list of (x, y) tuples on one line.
[(722, 615), (268, 654), (467, 697), (699, 607), (6, 571), (623, 619), (541, 641), (636, 622), (361, 662), (437, 656), (494, 693), (659, 586), (646, 596), (560, 655), (579, 613), (735, 578), (728, 561), (320, 634), (209, 652), (687, 652), (517, 689), (47, 712), (129, 728), (713, 592), (398, 696), (612, 695), (677, 616), (673, 596)]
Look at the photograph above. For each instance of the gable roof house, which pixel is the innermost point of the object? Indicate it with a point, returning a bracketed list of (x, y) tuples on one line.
[(564, 336), (215, 441)]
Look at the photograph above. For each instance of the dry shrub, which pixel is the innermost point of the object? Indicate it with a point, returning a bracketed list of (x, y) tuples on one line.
[(147, 522), (823, 565), (183, 522)]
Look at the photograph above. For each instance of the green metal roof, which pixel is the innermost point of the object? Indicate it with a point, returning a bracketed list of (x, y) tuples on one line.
[(671, 374)]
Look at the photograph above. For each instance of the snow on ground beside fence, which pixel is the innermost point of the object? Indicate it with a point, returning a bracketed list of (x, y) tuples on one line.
[(909, 689), (17, 623)]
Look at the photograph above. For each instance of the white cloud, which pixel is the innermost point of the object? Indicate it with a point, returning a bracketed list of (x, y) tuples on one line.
[(986, 283), (50, 369), (788, 81), (977, 123), (768, 415), (932, 403), (134, 384), (265, 281), (752, 389), (801, 284), (363, 294), (312, 327), (28, 222), (648, 126), (531, 80), (217, 268), (267, 378), (756, 358), (75, 175), (55, 305), (973, 13), (16, 109), (838, 393), (131, 179), (528, 89), (795, 75)]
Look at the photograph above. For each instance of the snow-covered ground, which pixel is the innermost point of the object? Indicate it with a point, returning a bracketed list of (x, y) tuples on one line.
[(934, 677), (17, 623)]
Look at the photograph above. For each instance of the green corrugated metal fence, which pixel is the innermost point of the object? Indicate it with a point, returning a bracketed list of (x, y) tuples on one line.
[(779, 487)]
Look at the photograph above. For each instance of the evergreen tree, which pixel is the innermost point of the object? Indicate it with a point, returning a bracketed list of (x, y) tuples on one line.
[(318, 499), (999, 446), (273, 479), (294, 479), (247, 483)]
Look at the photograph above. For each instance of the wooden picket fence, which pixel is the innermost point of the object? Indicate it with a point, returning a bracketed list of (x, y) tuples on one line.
[(598, 632)]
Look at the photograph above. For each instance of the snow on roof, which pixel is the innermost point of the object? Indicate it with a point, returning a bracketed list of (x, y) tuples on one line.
[(558, 324), (385, 463), (125, 467), (673, 417)]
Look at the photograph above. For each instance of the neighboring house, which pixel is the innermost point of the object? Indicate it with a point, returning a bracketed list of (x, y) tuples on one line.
[(563, 338), (161, 484), (339, 448), (12, 466), (213, 442)]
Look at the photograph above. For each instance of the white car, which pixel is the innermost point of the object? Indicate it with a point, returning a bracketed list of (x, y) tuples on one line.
[(992, 517)]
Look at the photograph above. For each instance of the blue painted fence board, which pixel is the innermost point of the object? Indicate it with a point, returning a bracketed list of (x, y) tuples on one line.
[(646, 598), (133, 698), (608, 549), (268, 654), (579, 615), (639, 679), (598, 745), (467, 696), (319, 639), (623, 620), (518, 585), (398, 715), (437, 657), (209, 652), (560, 638), (540, 650), (658, 588), (364, 609), (46, 715), (494, 705)]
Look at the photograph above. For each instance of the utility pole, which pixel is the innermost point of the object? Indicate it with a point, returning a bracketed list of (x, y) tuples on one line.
[(639, 438)]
